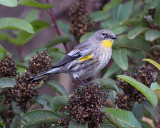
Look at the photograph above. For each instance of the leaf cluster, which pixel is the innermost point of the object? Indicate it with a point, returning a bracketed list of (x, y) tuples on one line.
[(137, 26)]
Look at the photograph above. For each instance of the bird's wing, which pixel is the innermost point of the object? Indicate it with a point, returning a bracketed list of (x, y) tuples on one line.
[(78, 52), (66, 59)]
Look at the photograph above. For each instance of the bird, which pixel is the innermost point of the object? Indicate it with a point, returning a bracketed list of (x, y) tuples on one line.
[(86, 59)]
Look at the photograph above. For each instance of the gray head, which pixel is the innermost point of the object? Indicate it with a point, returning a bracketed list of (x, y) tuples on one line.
[(104, 34)]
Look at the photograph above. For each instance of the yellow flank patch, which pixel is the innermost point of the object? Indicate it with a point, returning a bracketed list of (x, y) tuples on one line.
[(107, 43), (90, 56)]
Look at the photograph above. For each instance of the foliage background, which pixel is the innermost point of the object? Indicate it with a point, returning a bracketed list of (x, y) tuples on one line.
[(27, 26)]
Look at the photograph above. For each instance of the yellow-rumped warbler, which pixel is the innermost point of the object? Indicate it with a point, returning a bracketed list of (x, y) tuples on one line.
[(87, 58)]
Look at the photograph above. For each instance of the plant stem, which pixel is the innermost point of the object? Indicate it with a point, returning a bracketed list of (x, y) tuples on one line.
[(158, 117), (19, 49), (51, 13)]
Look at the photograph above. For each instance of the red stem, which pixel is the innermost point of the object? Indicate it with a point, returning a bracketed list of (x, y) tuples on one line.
[(158, 117), (157, 113), (19, 49), (51, 13)]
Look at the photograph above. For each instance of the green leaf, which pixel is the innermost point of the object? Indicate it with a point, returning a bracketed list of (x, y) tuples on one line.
[(112, 119), (153, 62), (65, 28), (136, 31), (118, 29), (15, 23), (59, 102), (109, 24), (2, 125), (112, 95), (120, 58), (6, 82), (44, 100), (148, 106), (154, 86), (147, 92), (130, 21), (53, 49), (17, 109), (74, 124), (157, 13), (57, 40), (86, 36), (110, 5), (56, 55), (138, 43), (113, 69), (108, 126), (113, 25), (125, 118), (156, 89), (21, 68), (106, 83), (48, 98), (33, 3), (152, 35), (137, 57), (57, 87), (15, 122), (137, 10), (120, 13), (106, 122), (39, 117), (99, 16), (9, 3), (137, 110), (2, 51), (32, 15), (5, 36), (23, 37)]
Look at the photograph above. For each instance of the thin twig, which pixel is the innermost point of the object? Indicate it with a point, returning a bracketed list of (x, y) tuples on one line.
[(157, 113), (20, 49), (51, 13), (158, 117)]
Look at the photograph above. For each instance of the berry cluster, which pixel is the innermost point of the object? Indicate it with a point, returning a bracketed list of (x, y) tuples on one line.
[(39, 63), (8, 113), (24, 92), (131, 94), (7, 67), (81, 23), (123, 101), (86, 105)]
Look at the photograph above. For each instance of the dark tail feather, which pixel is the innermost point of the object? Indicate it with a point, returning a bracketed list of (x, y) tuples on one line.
[(44, 74), (38, 77)]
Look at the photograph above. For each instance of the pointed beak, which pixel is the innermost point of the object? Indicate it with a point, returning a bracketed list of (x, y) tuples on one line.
[(114, 37)]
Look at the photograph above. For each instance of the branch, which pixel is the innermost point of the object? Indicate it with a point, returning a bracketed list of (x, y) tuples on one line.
[(158, 117), (51, 13)]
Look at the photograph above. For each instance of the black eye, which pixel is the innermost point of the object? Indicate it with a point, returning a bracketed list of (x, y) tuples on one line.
[(103, 34)]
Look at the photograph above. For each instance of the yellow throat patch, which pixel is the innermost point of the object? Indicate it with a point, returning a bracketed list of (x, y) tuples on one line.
[(90, 56), (107, 43)]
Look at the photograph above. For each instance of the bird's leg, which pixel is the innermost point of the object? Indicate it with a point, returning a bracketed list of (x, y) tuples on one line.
[(80, 81)]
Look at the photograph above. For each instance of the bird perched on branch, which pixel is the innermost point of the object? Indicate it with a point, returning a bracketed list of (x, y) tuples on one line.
[(87, 58)]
